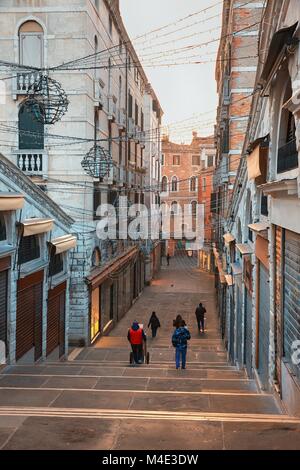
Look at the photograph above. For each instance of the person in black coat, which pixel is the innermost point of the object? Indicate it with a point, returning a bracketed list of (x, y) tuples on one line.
[(200, 315), (179, 321), (154, 323)]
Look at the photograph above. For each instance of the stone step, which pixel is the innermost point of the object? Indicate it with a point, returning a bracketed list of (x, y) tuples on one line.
[(108, 382), (200, 402)]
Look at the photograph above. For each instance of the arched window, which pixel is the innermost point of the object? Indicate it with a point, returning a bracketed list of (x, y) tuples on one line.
[(31, 44), (164, 184), (2, 228), (96, 257), (174, 184), (31, 130), (194, 205), (96, 74), (175, 208), (193, 184), (287, 143)]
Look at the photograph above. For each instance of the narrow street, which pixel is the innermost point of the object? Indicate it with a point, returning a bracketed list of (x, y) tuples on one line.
[(97, 400)]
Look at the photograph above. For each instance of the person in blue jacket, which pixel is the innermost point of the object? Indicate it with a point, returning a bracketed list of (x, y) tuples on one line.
[(180, 339)]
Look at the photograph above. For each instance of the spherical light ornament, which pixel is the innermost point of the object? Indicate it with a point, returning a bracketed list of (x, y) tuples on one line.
[(97, 163), (48, 101)]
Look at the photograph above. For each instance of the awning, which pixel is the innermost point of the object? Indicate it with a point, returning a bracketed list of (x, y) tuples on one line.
[(228, 238), (229, 279), (236, 269), (259, 227), (257, 161), (245, 249), (11, 201), (36, 226), (99, 275), (281, 38), (64, 243)]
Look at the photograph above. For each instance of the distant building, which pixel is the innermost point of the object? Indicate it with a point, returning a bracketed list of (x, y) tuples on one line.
[(179, 184)]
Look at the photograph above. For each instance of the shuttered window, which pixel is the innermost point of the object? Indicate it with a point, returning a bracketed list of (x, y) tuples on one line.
[(29, 249), (264, 325), (291, 311), (56, 265)]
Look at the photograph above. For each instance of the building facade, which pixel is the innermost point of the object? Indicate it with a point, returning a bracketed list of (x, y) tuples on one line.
[(262, 239), (83, 45), (36, 250), (181, 165)]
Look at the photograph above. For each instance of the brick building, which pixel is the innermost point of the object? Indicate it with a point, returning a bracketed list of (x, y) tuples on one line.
[(181, 165)]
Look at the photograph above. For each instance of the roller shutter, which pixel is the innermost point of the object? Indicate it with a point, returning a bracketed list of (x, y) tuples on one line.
[(3, 306), (29, 315), (291, 310), (56, 319), (239, 327), (248, 333), (264, 326), (231, 333)]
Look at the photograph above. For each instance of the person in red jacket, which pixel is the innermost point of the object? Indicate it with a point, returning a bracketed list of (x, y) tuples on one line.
[(136, 336)]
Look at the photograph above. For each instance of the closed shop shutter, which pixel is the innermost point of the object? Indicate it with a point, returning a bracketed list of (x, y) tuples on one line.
[(29, 315), (231, 333), (278, 305), (56, 319), (3, 306), (248, 333), (291, 311), (264, 326), (239, 327)]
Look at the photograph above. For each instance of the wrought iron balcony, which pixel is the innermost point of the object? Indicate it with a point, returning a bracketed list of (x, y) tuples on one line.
[(287, 157), (33, 162)]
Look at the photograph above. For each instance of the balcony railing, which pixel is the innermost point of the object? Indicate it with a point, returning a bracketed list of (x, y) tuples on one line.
[(33, 162), (98, 94), (23, 83), (112, 108), (287, 157)]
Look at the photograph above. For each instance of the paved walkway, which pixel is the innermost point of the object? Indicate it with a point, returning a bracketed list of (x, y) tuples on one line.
[(98, 401)]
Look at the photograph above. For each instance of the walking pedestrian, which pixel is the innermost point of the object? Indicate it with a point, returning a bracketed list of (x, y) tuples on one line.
[(178, 321), (179, 340), (136, 336), (168, 259), (200, 315), (154, 323)]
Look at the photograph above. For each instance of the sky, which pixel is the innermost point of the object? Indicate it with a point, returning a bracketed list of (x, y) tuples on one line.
[(187, 92)]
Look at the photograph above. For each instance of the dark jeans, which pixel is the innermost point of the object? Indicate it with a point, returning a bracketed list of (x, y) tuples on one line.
[(137, 350), (180, 354), (154, 331), (200, 322)]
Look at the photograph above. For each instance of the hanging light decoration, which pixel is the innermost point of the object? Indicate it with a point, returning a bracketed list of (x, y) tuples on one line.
[(97, 162), (48, 102)]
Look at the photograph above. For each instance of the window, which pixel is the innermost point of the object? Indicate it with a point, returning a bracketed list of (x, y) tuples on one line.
[(194, 205), (210, 160), (142, 121), (110, 21), (2, 228), (31, 44), (120, 47), (56, 264), (175, 208), (193, 184), (31, 130), (96, 257), (174, 184), (136, 115), (29, 249), (130, 105), (176, 160), (264, 205), (196, 160), (164, 184), (97, 4), (162, 160), (204, 184)]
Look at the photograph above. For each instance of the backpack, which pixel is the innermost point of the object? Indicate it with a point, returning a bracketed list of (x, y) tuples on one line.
[(180, 337)]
